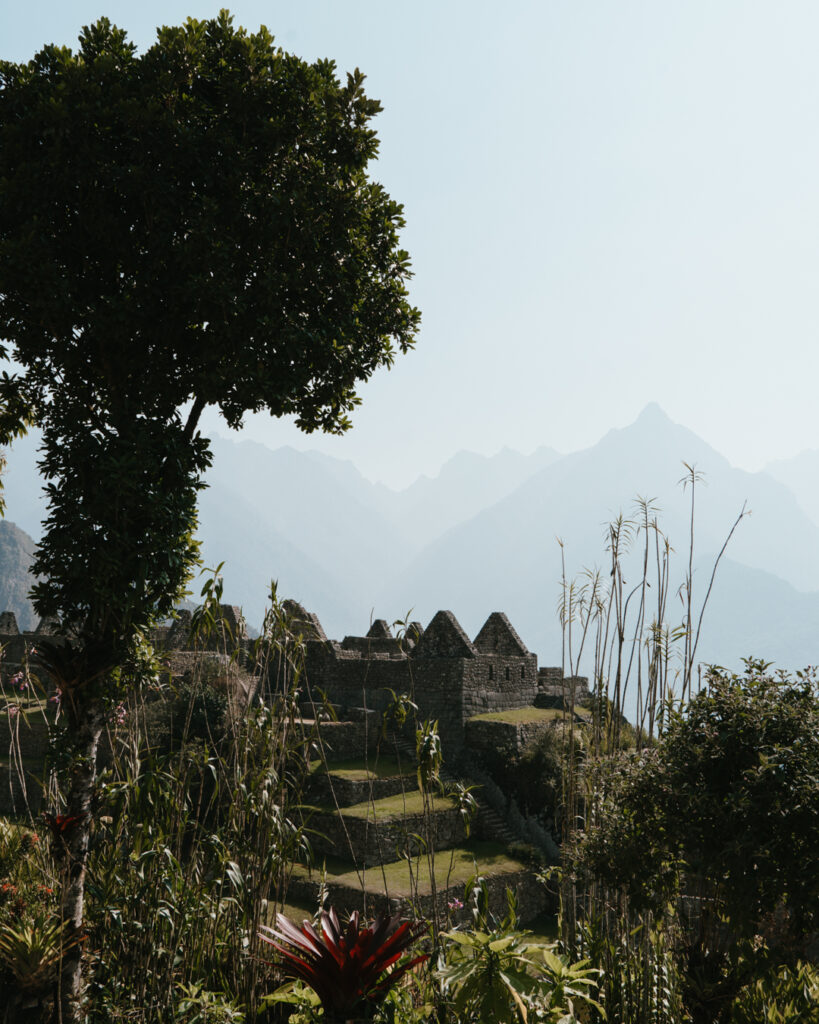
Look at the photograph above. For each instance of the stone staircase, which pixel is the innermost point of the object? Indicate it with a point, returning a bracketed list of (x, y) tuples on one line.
[(488, 823)]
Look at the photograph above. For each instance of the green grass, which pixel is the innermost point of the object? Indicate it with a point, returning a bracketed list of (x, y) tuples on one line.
[(364, 771), (388, 807), (295, 910), (518, 716), (453, 867)]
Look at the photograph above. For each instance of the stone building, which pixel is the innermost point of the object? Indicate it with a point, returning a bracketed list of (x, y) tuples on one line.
[(450, 677)]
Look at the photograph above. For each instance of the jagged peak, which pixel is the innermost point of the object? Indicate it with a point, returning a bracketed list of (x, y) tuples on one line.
[(653, 413)]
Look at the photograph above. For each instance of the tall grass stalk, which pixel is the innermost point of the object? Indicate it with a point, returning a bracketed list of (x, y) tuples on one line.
[(640, 662), (197, 834)]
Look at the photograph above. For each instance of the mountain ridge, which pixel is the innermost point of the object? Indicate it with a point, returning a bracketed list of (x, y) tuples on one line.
[(479, 536)]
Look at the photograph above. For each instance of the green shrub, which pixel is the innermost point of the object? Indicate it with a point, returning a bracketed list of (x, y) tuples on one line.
[(198, 712), (785, 996)]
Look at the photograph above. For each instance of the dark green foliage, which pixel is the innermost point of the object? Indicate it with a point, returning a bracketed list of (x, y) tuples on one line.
[(191, 227), (721, 819), (198, 713), (538, 773), (784, 996), (528, 853), (731, 795)]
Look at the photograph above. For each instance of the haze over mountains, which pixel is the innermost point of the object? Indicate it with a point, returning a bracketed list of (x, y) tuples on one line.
[(482, 535)]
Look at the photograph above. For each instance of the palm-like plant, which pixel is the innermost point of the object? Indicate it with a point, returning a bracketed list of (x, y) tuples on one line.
[(32, 951), (567, 984), (507, 978), (490, 976), (351, 969)]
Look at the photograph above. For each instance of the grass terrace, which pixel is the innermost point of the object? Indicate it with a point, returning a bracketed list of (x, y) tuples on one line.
[(396, 806), (520, 716), (362, 770), (452, 868)]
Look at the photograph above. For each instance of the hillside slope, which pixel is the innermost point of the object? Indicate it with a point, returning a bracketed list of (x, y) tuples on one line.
[(16, 554)]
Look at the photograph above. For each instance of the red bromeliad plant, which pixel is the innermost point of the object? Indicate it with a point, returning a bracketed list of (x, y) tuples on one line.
[(346, 967)]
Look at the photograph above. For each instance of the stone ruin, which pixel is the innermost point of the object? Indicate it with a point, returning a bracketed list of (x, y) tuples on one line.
[(450, 677), (459, 682)]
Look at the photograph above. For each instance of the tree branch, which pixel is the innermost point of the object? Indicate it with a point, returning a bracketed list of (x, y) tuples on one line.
[(197, 409)]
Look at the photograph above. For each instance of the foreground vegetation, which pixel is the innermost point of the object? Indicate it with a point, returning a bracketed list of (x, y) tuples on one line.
[(687, 808), (689, 893)]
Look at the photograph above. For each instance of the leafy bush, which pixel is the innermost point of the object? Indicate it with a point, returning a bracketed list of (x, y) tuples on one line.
[(784, 996), (719, 821), (198, 712)]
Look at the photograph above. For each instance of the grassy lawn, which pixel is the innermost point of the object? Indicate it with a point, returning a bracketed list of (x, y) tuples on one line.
[(363, 771), (397, 806), (453, 867), (295, 910), (518, 716)]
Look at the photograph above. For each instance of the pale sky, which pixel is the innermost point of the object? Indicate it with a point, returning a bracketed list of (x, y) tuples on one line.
[(607, 203)]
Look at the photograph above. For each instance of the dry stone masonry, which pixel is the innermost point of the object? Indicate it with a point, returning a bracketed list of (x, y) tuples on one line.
[(487, 695)]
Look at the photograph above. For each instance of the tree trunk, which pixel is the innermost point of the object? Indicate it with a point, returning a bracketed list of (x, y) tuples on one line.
[(86, 716)]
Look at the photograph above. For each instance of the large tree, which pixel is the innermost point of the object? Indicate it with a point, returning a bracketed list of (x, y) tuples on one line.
[(189, 227)]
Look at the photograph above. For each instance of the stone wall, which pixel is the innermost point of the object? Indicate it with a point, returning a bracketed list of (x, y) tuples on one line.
[(554, 690), (26, 733), (368, 843), (504, 740), (327, 789), (347, 741), (532, 897), (499, 683)]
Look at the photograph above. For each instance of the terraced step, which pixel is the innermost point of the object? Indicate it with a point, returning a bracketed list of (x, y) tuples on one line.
[(377, 831), (353, 782), (488, 824), (406, 886)]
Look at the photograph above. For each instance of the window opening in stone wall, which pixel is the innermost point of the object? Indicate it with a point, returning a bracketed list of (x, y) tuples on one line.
[(522, 672), (491, 673), (507, 672)]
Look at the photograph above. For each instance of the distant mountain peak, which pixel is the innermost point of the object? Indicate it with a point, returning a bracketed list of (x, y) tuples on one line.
[(652, 413)]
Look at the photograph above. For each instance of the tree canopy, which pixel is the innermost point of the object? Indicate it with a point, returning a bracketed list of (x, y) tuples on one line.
[(730, 795), (189, 227)]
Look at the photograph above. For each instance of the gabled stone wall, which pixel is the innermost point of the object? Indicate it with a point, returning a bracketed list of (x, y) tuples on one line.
[(450, 677)]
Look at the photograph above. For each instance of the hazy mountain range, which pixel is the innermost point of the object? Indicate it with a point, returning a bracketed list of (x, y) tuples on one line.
[(482, 535)]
